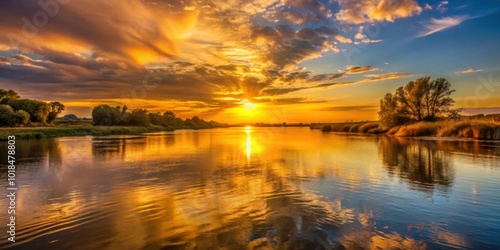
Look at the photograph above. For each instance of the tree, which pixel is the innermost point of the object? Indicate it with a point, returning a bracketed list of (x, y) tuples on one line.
[(38, 110), (7, 95), (169, 118), (55, 109), (438, 101), (156, 119), (388, 114), (188, 123), (105, 115), (169, 113), (22, 117), (418, 100), (9, 117), (411, 97), (140, 117)]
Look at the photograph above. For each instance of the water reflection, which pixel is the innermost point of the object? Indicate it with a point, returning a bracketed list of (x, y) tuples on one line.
[(417, 162), (246, 188)]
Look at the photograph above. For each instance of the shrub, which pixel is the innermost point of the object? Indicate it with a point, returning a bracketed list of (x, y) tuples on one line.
[(368, 126), (22, 117), (7, 116), (326, 128), (355, 128)]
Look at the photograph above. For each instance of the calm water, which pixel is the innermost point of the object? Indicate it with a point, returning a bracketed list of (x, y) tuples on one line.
[(258, 188)]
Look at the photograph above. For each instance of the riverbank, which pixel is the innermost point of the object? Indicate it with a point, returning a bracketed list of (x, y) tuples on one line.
[(475, 129), (80, 130), (59, 131)]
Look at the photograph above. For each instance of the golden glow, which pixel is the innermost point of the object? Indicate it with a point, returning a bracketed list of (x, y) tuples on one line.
[(248, 144), (248, 105)]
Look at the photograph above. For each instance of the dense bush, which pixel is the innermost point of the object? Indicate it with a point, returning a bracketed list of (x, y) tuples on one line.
[(326, 128), (9, 117), (22, 112), (368, 127)]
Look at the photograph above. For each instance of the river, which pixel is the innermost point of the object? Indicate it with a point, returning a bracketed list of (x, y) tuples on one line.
[(254, 188)]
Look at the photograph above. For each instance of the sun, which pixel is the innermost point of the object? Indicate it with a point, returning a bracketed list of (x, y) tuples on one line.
[(248, 105)]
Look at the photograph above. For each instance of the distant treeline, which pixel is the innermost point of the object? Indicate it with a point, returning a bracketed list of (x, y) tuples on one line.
[(17, 112), (105, 115)]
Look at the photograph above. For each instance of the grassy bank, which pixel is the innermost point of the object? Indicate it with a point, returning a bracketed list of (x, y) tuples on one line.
[(477, 129), (350, 127), (58, 131)]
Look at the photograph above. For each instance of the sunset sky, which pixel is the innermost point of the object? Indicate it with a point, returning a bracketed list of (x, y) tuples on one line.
[(248, 61)]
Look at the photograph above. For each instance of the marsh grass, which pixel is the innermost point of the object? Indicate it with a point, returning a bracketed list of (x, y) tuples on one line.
[(478, 129), (419, 129), (471, 129)]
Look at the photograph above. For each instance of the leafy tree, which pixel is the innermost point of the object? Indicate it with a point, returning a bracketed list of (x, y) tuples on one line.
[(189, 123), (437, 100), (156, 119), (105, 115), (388, 114), (38, 110), (9, 117), (169, 118), (140, 117), (124, 109), (55, 109), (411, 97), (418, 100), (7, 95), (169, 113), (22, 117)]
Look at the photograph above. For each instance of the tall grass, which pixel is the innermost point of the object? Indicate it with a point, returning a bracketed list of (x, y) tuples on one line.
[(419, 129), (471, 129), (462, 129), (478, 129)]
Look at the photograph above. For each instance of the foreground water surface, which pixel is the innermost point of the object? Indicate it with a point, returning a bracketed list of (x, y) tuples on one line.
[(254, 188)]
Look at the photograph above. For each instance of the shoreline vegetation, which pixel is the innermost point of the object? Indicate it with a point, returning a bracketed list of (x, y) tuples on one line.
[(85, 128), (464, 129), (472, 129), (34, 119), (421, 108)]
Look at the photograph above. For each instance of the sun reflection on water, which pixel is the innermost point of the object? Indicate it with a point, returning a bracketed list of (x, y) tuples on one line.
[(248, 145)]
